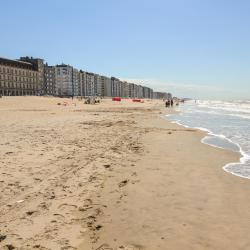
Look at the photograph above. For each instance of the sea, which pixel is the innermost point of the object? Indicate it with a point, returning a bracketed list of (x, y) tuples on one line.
[(227, 124)]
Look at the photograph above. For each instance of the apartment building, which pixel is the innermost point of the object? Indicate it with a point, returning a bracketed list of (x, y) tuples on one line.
[(161, 95), (131, 87), (140, 92), (151, 92), (145, 91), (125, 89), (18, 77), (64, 80), (82, 83), (115, 87), (98, 85), (76, 82), (39, 67), (106, 86), (90, 84), (136, 90), (49, 80)]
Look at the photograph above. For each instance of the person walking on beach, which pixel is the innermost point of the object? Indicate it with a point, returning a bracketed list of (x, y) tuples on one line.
[(172, 103), (167, 103)]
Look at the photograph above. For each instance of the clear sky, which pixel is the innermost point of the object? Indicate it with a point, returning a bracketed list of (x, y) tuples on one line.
[(192, 48)]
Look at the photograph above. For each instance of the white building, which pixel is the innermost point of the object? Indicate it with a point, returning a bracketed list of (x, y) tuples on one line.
[(66, 80)]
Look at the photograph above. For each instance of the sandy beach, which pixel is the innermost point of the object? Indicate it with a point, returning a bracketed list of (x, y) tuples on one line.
[(115, 175)]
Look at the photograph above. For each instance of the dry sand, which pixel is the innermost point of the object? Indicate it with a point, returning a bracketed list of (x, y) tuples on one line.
[(113, 176)]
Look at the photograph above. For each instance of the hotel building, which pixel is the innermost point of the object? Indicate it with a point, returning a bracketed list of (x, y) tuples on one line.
[(19, 77)]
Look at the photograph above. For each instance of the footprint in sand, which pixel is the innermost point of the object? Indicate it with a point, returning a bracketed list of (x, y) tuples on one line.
[(123, 183)]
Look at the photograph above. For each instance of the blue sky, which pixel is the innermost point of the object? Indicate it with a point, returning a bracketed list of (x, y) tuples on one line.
[(193, 48)]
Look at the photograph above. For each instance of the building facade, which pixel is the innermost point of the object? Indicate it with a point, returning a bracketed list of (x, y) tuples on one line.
[(39, 67), (161, 95), (124, 89), (82, 83), (98, 85), (90, 84), (76, 82), (115, 87), (18, 78), (30, 76), (64, 80), (49, 80), (106, 86)]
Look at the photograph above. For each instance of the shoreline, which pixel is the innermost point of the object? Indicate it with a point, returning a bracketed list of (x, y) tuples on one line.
[(113, 176), (243, 157)]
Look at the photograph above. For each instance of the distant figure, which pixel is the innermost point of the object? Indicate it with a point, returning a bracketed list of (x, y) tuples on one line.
[(172, 103), (167, 103)]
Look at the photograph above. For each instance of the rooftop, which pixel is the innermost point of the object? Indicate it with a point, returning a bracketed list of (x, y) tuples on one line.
[(14, 61)]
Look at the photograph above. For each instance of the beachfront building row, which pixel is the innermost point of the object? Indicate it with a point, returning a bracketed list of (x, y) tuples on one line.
[(30, 76), (19, 77), (162, 95)]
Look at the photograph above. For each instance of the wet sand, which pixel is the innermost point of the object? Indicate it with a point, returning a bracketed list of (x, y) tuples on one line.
[(113, 176)]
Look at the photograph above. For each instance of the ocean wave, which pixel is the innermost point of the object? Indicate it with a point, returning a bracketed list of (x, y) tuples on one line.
[(239, 106), (244, 159)]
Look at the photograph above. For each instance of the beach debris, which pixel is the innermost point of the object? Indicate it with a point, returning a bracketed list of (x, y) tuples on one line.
[(98, 227), (116, 99), (20, 201), (107, 165), (123, 183), (2, 237), (30, 212)]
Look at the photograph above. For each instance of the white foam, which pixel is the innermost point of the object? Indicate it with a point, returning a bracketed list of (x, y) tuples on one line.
[(234, 106), (244, 156)]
